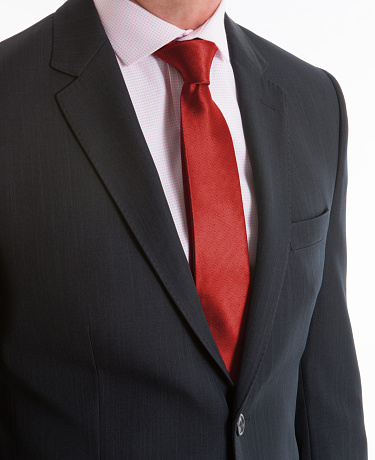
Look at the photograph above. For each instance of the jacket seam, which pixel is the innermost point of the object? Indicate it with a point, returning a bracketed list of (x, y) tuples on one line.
[(306, 413), (98, 390)]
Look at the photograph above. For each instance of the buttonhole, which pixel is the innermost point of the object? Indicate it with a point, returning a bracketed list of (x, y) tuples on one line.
[(269, 105)]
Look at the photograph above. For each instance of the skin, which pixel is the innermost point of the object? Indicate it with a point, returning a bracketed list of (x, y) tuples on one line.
[(185, 14)]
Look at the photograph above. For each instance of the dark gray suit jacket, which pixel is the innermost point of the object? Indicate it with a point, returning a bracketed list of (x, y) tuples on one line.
[(104, 348)]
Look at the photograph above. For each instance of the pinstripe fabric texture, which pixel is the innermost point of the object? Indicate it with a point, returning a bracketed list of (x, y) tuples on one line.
[(105, 352)]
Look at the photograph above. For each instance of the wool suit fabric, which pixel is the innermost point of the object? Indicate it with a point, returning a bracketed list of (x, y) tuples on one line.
[(104, 349)]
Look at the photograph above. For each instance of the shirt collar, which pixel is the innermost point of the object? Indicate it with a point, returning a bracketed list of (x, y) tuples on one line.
[(135, 33)]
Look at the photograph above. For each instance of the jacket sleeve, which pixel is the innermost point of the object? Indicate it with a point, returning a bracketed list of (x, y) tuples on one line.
[(329, 420)]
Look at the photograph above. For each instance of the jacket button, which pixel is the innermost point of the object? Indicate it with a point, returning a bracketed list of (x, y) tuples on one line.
[(240, 425)]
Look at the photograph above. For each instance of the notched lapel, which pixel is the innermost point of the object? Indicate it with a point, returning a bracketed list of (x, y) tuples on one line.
[(98, 108), (265, 122)]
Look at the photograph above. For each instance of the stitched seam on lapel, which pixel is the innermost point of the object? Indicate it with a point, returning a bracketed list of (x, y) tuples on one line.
[(130, 221), (247, 59)]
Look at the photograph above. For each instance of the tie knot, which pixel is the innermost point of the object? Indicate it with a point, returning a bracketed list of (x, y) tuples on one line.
[(193, 58)]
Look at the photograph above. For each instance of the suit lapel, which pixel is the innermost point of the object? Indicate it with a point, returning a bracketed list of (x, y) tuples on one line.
[(99, 111), (265, 122)]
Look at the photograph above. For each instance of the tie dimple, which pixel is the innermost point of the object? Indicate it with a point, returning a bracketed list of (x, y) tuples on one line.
[(191, 58)]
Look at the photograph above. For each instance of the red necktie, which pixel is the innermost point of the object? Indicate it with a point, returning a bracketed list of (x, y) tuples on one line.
[(219, 257)]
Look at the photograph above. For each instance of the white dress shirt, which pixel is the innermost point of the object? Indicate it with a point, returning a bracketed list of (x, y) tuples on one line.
[(155, 89)]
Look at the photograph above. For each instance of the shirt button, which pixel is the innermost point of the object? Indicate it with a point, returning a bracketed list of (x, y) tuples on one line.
[(240, 425)]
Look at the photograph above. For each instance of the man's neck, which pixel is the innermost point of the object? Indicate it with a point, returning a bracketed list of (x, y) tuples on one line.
[(185, 14)]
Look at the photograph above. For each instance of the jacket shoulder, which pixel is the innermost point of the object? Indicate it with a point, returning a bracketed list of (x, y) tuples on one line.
[(26, 44), (292, 73)]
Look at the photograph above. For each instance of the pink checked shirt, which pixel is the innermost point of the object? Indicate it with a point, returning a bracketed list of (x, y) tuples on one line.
[(155, 88)]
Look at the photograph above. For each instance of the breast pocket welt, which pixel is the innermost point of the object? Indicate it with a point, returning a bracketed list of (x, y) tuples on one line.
[(310, 232)]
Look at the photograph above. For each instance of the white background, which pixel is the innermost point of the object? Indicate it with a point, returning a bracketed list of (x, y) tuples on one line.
[(337, 35)]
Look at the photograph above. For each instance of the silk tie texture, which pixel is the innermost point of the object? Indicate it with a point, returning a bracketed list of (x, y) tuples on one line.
[(219, 258)]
